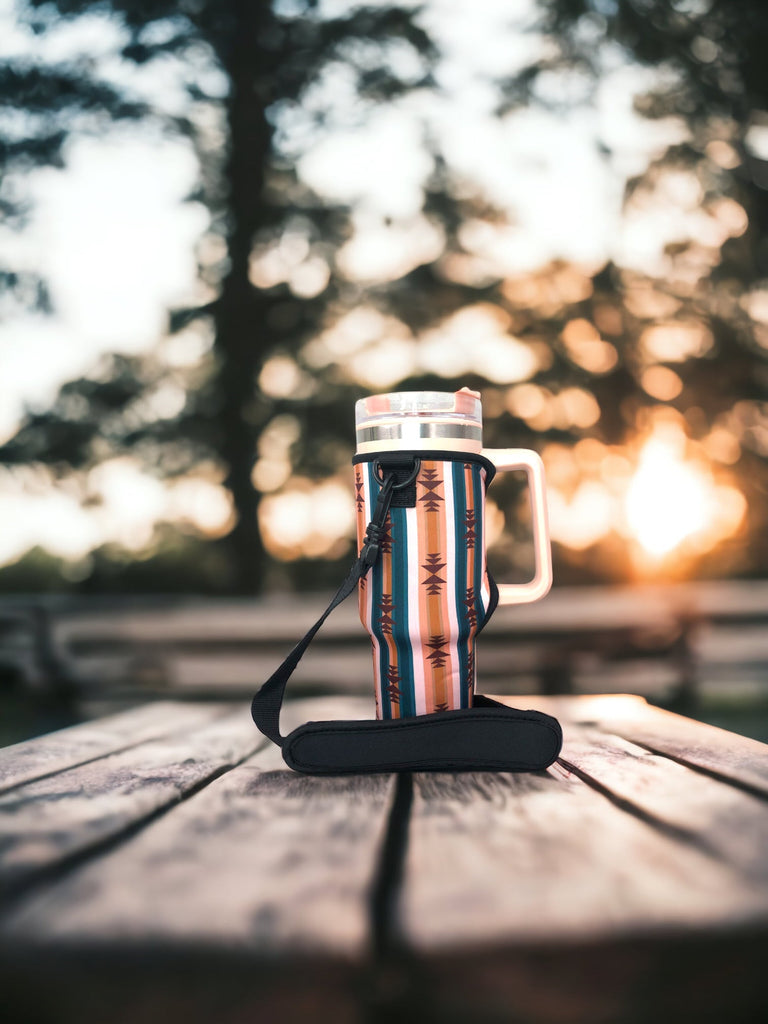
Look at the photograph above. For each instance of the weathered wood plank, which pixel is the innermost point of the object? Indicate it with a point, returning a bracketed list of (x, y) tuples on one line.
[(48, 821), (736, 759), (501, 859), (262, 858), (696, 809), (608, 895), (584, 709), (56, 751)]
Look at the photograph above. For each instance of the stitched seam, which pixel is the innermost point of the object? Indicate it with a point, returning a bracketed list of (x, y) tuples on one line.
[(400, 726), (431, 763)]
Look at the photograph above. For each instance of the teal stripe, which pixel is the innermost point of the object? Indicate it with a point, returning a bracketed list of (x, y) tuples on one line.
[(402, 626), (375, 582), (477, 484), (460, 578)]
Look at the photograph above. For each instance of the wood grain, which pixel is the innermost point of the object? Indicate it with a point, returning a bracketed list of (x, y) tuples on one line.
[(737, 759), (512, 859), (56, 751), (261, 858), (622, 885), (721, 820), (48, 821)]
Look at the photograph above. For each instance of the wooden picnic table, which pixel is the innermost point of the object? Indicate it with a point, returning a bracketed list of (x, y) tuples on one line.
[(162, 865)]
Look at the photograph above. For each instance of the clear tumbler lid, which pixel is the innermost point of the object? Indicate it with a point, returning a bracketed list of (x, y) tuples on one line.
[(420, 420)]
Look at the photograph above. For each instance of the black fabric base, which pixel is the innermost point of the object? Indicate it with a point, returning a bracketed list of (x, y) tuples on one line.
[(487, 737)]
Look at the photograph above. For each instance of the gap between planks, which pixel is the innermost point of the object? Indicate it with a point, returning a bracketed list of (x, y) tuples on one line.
[(390, 879), (51, 825), (261, 856)]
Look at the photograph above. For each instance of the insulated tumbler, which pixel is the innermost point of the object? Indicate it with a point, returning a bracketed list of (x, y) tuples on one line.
[(429, 593)]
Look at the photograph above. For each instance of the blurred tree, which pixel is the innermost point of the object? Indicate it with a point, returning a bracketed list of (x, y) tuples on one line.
[(693, 337), (576, 354), (276, 60)]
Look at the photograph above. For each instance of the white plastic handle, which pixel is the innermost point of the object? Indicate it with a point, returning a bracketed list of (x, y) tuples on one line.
[(521, 458)]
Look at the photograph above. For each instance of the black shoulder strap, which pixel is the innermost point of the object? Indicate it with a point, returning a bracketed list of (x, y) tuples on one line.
[(488, 736), (266, 705)]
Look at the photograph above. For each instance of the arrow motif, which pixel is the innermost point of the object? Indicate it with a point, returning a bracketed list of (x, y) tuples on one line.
[(386, 538), (438, 657), (471, 607), (393, 681), (432, 567), (470, 523), (430, 480), (386, 608)]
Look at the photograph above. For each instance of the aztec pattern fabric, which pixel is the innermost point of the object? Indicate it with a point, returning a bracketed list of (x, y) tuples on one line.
[(428, 594)]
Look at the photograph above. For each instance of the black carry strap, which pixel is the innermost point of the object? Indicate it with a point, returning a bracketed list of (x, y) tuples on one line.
[(267, 703), (488, 736)]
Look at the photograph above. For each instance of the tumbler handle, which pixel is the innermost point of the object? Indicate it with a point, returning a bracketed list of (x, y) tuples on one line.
[(521, 458)]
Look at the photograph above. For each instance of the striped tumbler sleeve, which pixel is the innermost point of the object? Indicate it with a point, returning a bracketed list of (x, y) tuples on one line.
[(429, 592)]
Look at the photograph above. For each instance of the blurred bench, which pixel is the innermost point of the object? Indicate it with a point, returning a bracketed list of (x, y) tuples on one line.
[(163, 865), (670, 643), (30, 655)]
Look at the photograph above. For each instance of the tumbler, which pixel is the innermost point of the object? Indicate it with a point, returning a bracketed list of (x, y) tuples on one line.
[(429, 593)]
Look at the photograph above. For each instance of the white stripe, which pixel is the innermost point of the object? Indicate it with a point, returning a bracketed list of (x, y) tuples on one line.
[(414, 623), (450, 576)]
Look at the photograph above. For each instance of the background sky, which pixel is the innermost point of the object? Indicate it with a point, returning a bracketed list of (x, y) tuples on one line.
[(115, 238)]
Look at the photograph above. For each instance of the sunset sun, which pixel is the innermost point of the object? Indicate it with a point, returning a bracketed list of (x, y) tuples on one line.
[(672, 502)]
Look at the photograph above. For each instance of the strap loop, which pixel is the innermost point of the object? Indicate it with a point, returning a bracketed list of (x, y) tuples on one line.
[(378, 472)]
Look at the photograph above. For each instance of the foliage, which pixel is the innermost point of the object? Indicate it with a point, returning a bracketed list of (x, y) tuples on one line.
[(271, 58), (610, 348)]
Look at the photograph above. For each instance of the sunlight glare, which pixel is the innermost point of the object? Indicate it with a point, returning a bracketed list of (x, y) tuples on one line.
[(670, 502), (666, 501)]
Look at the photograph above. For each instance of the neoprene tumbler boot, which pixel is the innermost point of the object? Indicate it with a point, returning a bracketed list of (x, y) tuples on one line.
[(429, 593)]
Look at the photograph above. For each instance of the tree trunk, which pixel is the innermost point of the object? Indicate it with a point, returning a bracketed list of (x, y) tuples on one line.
[(241, 340)]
